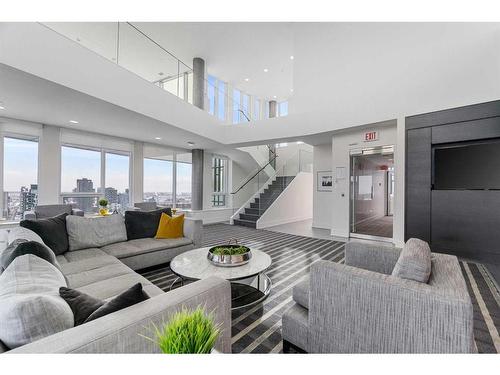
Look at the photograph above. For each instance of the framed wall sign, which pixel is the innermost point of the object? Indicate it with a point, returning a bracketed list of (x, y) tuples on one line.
[(325, 181), (370, 136)]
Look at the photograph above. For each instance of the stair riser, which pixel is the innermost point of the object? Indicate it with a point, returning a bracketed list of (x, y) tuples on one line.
[(245, 224), (249, 217)]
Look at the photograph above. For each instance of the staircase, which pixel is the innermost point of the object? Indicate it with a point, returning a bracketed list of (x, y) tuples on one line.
[(261, 204)]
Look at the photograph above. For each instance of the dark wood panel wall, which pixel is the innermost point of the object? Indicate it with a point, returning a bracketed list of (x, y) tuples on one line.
[(465, 223)]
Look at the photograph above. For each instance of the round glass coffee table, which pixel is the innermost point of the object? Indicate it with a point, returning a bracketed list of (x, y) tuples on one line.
[(249, 283)]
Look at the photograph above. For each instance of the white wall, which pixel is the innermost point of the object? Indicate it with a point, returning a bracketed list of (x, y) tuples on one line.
[(322, 200), (295, 203), (331, 210)]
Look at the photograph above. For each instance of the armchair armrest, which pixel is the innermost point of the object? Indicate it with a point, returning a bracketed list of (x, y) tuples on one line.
[(359, 311), (29, 215), (193, 229), (120, 332), (376, 258), (77, 212)]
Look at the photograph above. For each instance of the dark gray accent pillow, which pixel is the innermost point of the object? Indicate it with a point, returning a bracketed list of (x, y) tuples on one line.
[(81, 304), (414, 263), (52, 230), (128, 298), (143, 224), (86, 308), (22, 247)]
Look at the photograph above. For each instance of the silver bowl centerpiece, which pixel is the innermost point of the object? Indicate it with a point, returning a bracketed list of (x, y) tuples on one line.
[(229, 255)]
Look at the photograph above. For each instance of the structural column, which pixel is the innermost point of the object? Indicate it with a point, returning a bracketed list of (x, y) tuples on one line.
[(49, 165), (199, 82), (197, 180), (273, 108)]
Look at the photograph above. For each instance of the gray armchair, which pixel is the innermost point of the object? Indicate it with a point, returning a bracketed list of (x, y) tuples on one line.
[(360, 308), (51, 210)]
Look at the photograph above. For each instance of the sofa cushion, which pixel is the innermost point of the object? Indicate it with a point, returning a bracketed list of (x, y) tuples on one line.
[(78, 255), (52, 230), (143, 224), (129, 297), (414, 263), (84, 232), (143, 246), (81, 304), (22, 247), (301, 292), (30, 305), (170, 227)]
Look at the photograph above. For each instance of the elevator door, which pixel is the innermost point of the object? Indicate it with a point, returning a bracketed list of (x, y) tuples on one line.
[(372, 193)]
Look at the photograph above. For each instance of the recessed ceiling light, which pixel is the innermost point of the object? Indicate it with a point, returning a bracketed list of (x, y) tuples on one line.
[(266, 70), (158, 138), (300, 142), (191, 144), (73, 121), (291, 90), (2, 107), (247, 79), (291, 57), (274, 96)]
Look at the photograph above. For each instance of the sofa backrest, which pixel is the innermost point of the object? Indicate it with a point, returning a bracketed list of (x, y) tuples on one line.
[(146, 206), (51, 210)]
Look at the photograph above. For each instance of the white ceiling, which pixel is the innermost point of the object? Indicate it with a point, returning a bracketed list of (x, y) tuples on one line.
[(233, 51)]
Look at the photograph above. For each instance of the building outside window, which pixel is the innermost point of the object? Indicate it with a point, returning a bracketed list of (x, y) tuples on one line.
[(221, 101), (158, 181), (256, 110), (236, 106), (80, 177), (117, 177), (283, 109), (183, 185), (20, 176), (88, 175), (219, 175), (211, 93)]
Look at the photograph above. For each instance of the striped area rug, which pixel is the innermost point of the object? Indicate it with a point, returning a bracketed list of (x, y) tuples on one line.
[(258, 329)]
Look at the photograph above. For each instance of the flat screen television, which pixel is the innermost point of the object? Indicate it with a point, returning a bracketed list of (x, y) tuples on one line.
[(466, 166)]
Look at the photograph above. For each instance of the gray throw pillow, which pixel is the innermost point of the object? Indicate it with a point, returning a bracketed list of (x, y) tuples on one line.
[(414, 263), (30, 305), (84, 232), (22, 247)]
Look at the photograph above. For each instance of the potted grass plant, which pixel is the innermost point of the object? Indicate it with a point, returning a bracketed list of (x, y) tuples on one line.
[(187, 332)]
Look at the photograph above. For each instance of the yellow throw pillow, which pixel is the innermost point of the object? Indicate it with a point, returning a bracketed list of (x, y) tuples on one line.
[(170, 227)]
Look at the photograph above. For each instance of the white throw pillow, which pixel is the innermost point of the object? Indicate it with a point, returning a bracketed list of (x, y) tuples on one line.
[(30, 305), (84, 232)]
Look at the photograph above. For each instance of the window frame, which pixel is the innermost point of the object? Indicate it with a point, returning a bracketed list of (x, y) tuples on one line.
[(22, 137), (102, 184), (219, 196)]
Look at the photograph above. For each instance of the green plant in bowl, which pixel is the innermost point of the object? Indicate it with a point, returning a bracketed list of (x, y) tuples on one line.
[(226, 250), (103, 202), (187, 332)]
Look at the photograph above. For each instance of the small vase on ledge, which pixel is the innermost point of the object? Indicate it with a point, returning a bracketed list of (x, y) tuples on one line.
[(103, 207)]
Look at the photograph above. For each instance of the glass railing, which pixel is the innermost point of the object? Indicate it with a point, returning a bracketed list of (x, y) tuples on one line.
[(260, 190), (125, 44)]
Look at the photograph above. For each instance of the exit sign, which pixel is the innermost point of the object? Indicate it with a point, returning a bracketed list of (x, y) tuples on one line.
[(371, 136)]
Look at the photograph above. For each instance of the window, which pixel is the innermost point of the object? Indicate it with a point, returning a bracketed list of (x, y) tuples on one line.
[(221, 101), (283, 109), (158, 181), (117, 178), (256, 110), (212, 82), (80, 177), (236, 106), (219, 175), (245, 105), (20, 177), (183, 185)]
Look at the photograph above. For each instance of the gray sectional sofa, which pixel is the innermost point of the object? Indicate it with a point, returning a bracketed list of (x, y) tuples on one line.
[(107, 271), (361, 307)]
